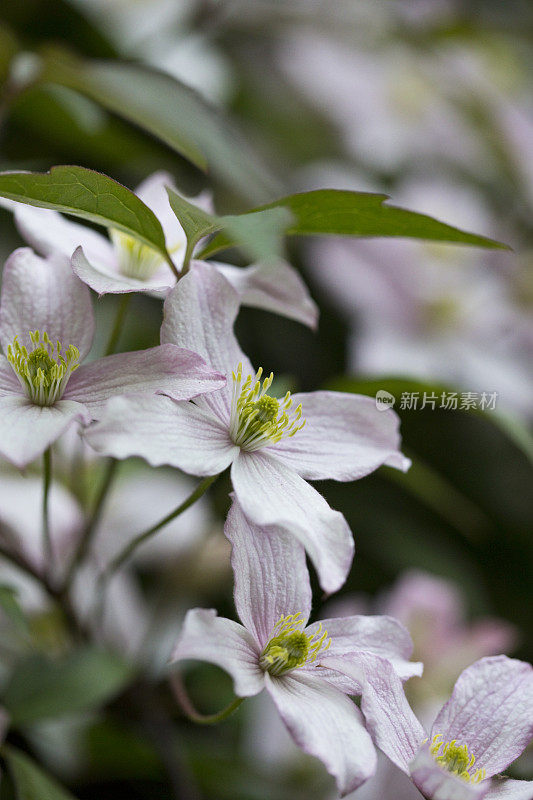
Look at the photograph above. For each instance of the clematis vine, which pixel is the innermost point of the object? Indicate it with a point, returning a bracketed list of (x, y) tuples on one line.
[(484, 727), (273, 445), (275, 649), (46, 330), (121, 264)]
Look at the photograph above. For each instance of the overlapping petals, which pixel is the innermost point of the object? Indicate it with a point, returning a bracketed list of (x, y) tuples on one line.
[(44, 296), (273, 598), (352, 438)]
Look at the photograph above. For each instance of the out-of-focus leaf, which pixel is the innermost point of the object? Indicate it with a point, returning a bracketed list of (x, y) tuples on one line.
[(173, 112), (259, 235), (345, 213), (30, 781), (8, 48), (42, 689), (87, 194), (10, 606)]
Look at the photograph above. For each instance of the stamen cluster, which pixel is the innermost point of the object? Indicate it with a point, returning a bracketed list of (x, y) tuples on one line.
[(44, 372), (290, 647), (136, 260), (456, 759), (257, 419)]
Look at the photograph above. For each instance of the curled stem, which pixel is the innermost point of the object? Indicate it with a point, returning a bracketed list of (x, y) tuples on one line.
[(181, 695)]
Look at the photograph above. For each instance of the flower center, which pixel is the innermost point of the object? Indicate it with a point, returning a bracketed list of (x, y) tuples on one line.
[(44, 372), (257, 419), (135, 259), (290, 647), (456, 759)]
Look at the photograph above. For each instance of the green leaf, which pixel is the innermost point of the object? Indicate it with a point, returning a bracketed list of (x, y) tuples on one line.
[(194, 220), (10, 606), (87, 194), (344, 213), (171, 111), (30, 781), (44, 689), (259, 235)]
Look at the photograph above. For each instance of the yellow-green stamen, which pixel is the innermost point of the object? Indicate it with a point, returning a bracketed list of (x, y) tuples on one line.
[(456, 759), (257, 419), (44, 371), (135, 259), (290, 647)]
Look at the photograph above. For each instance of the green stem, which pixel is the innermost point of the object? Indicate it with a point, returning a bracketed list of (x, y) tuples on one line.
[(190, 711), (123, 306), (172, 266), (47, 539), (124, 554), (92, 523)]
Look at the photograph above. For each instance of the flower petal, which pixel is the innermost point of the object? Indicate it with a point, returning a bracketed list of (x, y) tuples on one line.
[(199, 314), (508, 789), (384, 636), (389, 718), (276, 287), (108, 280), (491, 711), (49, 232), (271, 493), (27, 429), (437, 783), (270, 574), (165, 369), (9, 384), (44, 294), (345, 438), (220, 641), (163, 431), (327, 725)]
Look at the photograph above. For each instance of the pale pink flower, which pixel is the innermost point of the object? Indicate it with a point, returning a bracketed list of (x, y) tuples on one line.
[(122, 264), (46, 330), (271, 453), (275, 649), (484, 727)]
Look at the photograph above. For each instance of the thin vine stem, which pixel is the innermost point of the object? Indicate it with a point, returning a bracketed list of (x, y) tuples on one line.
[(181, 695), (47, 538), (122, 309), (127, 551), (92, 523)]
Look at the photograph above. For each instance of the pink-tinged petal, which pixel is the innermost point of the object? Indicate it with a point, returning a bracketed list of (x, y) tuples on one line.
[(345, 438), (26, 429), (271, 493), (152, 191), (276, 287), (437, 783), (45, 295), (163, 431), (165, 369), (220, 641), (270, 574), (389, 718), (383, 636), (9, 384), (108, 280), (199, 314), (327, 725), (491, 711), (508, 789), (49, 232)]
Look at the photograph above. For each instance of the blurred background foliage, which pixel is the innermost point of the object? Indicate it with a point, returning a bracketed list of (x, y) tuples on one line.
[(445, 100)]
